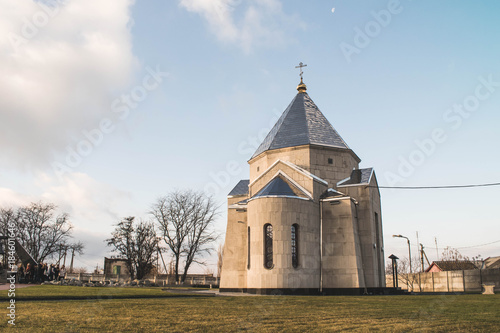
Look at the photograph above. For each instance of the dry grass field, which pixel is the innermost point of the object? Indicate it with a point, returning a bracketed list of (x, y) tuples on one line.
[(451, 313)]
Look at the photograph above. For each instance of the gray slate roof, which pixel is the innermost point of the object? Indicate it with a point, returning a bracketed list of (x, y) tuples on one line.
[(277, 187), (358, 176), (301, 123), (241, 188)]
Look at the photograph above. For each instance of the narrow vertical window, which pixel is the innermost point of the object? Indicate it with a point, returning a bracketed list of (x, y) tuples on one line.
[(295, 248), (268, 246), (248, 256)]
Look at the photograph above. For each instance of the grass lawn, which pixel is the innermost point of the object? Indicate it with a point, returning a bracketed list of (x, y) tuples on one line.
[(462, 313), (70, 292)]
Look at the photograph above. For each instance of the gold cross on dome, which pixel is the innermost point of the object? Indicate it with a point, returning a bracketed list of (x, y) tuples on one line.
[(301, 65)]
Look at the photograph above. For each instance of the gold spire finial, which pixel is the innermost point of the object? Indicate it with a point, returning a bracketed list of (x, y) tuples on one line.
[(301, 87)]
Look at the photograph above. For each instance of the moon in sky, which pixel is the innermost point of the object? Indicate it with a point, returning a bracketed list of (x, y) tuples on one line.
[(333, 9)]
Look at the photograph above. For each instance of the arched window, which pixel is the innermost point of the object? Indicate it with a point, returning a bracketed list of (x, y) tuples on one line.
[(295, 245), (248, 257), (268, 246)]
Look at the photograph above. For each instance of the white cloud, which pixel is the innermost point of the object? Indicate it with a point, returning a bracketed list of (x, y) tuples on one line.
[(246, 23), (93, 207), (97, 205), (60, 68), (11, 198)]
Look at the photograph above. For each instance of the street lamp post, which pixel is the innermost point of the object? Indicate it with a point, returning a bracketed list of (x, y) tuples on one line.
[(409, 248)]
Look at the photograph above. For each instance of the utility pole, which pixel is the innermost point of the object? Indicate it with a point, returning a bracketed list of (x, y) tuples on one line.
[(437, 253), (163, 261), (65, 253), (422, 267), (422, 257), (425, 255)]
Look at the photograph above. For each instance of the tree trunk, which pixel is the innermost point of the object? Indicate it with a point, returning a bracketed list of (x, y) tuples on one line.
[(177, 259), (184, 274)]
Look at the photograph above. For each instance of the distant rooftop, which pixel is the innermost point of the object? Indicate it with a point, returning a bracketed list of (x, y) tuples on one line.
[(453, 265), (492, 262)]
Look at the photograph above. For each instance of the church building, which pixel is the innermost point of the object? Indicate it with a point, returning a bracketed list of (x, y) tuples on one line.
[(308, 221)]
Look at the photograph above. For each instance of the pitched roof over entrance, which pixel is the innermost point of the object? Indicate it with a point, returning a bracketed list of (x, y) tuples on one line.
[(279, 187), (302, 123)]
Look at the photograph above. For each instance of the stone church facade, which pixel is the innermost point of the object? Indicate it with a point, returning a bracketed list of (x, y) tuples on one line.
[(308, 221)]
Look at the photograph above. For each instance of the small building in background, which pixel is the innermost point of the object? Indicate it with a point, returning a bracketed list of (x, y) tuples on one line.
[(116, 266), (491, 263)]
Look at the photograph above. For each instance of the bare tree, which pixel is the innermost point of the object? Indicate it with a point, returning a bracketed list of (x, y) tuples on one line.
[(38, 229), (122, 241), (185, 219), (452, 254), (8, 215), (146, 242), (200, 235), (170, 213), (405, 275), (138, 245)]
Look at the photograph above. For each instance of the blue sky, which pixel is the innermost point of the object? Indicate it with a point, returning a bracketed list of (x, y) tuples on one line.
[(412, 86)]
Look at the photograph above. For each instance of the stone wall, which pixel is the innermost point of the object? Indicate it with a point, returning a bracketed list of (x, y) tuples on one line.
[(370, 230), (342, 261), (311, 158), (296, 155), (343, 161), (281, 213), (235, 255)]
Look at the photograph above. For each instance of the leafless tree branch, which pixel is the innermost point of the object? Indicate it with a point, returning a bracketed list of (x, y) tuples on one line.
[(185, 220)]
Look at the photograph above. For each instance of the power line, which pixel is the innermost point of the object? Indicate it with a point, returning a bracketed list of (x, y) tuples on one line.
[(462, 247), (436, 187), (467, 247)]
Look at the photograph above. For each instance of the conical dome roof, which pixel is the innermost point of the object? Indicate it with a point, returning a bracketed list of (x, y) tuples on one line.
[(301, 123)]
